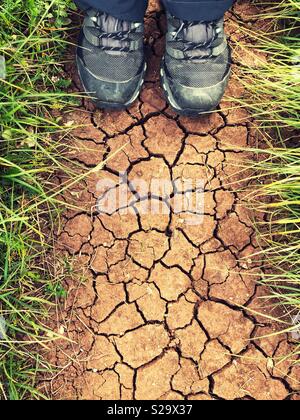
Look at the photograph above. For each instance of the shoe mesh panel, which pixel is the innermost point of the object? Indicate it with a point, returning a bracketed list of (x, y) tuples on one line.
[(110, 67), (199, 74)]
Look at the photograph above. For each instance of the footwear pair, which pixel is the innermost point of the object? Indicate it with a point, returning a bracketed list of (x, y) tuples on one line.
[(194, 72)]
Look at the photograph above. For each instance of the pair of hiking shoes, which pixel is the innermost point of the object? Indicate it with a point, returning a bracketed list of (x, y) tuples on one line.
[(194, 71)]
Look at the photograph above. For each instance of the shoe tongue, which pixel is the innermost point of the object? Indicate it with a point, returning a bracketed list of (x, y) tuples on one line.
[(110, 24), (199, 33)]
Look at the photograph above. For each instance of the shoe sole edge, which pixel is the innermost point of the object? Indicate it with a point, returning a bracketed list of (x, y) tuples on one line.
[(114, 105), (188, 112)]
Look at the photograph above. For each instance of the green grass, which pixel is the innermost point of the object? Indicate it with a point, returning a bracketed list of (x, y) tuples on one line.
[(31, 41), (273, 81), (273, 96)]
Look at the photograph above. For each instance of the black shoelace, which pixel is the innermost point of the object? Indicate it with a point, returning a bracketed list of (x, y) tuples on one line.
[(189, 47), (124, 38)]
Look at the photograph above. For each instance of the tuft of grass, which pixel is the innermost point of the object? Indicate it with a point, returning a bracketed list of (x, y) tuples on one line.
[(273, 79), (32, 86), (272, 86)]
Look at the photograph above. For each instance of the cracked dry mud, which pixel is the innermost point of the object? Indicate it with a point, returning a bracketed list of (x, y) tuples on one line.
[(154, 302)]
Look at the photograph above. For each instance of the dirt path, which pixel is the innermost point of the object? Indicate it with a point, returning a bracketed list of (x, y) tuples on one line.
[(154, 299)]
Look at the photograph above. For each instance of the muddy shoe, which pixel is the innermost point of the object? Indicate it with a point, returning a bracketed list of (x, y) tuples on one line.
[(196, 67), (110, 59)]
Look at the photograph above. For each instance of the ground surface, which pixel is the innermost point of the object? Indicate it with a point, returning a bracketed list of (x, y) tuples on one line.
[(154, 305)]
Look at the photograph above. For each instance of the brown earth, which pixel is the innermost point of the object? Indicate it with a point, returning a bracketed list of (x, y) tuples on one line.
[(154, 301)]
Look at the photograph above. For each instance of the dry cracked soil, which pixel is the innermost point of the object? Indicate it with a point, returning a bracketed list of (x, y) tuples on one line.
[(160, 306)]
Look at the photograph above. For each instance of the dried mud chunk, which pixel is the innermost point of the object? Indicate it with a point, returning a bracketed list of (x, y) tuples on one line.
[(200, 285), (87, 152), (293, 378), (125, 149), (235, 115), (198, 228), (187, 379), (263, 311), (100, 235), (140, 346), (153, 99), (171, 396), (202, 125), (218, 266), (80, 198), (180, 313), (136, 150), (99, 260), (117, 159), (192, 156), (80, 294), (98, 183), (189, 176), (171, 282), (225, 201), (153, 380), (234, 174), (182, 253), (112, 122), (250, 257), (192, 341), (154, 214), (153, 7), (148, 247), (199, 202), (148, 301), (284, 358), (248, 376), (106, 257), (152, 73), (79, 225), (212, 245), (208, 201), (103, 355), (233, 138), (269, 338), (215, 159), (229, 326), (234, 233), (72, 244), (245, 214), (123, 319), (109, 296), (238, 289), (203, 145), (126, 375), (122, 225), (83, 126), (164, 137), (117, 252), (127, 271), (151, 176), (214, 358), (95, 386)]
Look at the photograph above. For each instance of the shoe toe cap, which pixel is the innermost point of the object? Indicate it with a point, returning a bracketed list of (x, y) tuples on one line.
[(114, 93), (194, 99)]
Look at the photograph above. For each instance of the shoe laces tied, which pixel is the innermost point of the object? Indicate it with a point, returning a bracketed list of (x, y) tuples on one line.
[(189, 47), (115, 40)]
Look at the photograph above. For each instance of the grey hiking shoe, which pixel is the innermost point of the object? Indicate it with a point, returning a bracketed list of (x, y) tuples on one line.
[(196, 67), (110, 59)]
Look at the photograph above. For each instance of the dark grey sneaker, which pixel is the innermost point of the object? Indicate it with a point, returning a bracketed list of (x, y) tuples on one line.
[(196, 67), (110, 59)]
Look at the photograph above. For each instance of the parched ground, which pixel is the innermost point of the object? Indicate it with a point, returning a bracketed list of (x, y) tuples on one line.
[(159, 307)]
